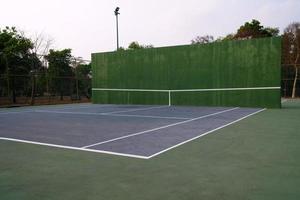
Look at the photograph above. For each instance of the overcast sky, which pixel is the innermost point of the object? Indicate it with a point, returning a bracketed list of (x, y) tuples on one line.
[(89, 26)]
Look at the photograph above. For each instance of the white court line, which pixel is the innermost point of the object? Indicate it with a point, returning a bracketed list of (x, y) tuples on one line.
[(147, 116), (226, 89), (129, 90), (132, 110), (77, 107), (123, 154), (67, 112), (206, 133), (185, 90), (104, 113), (113, 115), (159, 128), (70, 105), (73, 148), (15, 112), (33, 108)]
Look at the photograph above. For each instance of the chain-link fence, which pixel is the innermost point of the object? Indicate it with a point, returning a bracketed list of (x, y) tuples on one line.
[(287, 81), (38, 89)]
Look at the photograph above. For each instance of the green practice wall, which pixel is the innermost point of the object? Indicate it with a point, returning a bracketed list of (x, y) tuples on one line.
[(230, 64)]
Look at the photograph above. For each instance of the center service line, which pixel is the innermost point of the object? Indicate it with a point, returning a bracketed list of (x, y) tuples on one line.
[(155, 129)]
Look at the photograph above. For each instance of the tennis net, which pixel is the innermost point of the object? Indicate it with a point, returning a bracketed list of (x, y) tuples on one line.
[(210, 96)]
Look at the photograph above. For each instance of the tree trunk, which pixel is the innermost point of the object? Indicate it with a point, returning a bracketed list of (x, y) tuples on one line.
[(61, 95), (32, 90), (13, 85), (8, 77), (296, 76), (8, 86), (14, 98), (295, 82)]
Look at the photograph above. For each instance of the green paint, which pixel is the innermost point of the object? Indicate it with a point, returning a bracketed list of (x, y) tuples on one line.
[(257, 158), (116, 97), (230, 64)]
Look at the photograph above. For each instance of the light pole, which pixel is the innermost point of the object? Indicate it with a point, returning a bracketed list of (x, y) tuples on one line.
[(117, 13)]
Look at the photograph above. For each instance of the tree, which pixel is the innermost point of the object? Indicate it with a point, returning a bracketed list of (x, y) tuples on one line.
[(121, 49), (41, 46), (15, 58), (85, 70), (226, 38), (135, 45), (254, 29), (291, 50), (84, 74), (202, 39), (59, 70)]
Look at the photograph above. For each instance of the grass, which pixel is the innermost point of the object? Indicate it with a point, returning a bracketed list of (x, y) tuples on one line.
[(257, 158)]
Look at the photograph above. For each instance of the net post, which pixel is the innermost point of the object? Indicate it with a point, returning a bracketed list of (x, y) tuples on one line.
[(169, 97)]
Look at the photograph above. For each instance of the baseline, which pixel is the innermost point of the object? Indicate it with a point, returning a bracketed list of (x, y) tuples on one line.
[(73, 148)]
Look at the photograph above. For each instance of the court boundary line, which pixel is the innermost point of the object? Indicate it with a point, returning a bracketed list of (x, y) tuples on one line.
[(72, 148), (184, 90), (81, 107), (131, 155), (130, 90), (204, 134), (158, 128), (112, 115), (28, 109), (15, 112)]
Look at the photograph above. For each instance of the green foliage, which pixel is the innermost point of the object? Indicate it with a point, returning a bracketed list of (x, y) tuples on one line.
[(226, 38), (249, 30), (15, 52), (16, 58), (135, 45), (84, 70), (291, 44), (203, 39), (254, 29), (59, 62), (291, 51), (121, 49), (84, 73), (23, 73), (59, 67)]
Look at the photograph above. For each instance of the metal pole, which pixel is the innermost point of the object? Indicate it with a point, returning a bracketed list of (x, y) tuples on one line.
[(117, 32), (77, 84), (117, 23)]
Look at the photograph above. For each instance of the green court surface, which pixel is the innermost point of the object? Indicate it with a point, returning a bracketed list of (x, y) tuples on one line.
[(256, 158)]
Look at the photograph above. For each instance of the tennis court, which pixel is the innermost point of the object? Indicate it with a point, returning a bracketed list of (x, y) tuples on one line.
[(127, 130)]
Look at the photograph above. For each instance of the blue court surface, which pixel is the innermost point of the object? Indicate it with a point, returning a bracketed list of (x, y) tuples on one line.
[(127, 130)]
